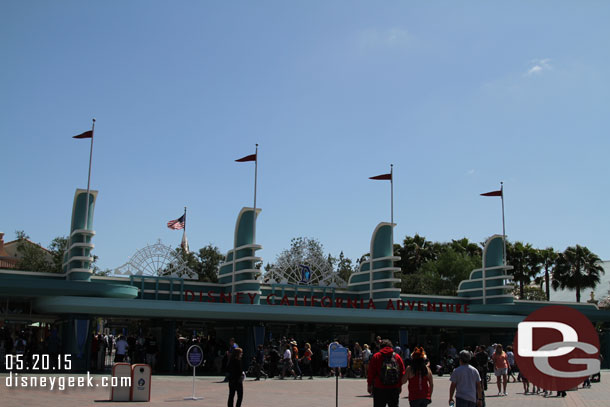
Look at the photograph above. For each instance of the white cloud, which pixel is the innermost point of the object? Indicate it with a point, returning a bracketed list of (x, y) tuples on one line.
[(539, 66), (391, 37), (471, 172)]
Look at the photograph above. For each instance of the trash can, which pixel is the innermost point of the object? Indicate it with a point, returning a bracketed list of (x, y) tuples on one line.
[(120, 393), (140, 382)]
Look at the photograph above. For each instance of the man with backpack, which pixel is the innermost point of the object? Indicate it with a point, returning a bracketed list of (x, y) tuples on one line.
[(386, 369)]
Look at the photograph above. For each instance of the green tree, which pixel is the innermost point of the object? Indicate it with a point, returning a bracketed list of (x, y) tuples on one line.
[(441, 276), (31, 256), (526, 262), (304, 250), (449, 269), (416, 283), (344, 267), (465, 246), (415, 252), (58, 248), (204, 263), (98, 271), (208, 260), (577, 268), (548, 258)]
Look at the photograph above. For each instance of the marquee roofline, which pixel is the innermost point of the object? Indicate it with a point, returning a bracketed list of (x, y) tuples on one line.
[(270, 313)]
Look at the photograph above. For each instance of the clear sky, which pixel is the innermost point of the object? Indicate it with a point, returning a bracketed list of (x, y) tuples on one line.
[(457, 95)]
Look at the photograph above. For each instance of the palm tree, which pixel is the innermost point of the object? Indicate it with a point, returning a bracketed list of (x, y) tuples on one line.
[(415, 252), (526, 262), (465, 246), (577, 268), (549, 256)]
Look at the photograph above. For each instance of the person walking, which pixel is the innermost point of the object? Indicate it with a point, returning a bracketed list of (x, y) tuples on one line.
[(235, 372), (512, 366), (465, 384), (152, 350), (286, 362), (419, 376), (259, 360), (100, 353), (121, 349), (295, 360), (366, 357), (228, 356), (384, 380), (481, 359), (306, 360), (501, 369)]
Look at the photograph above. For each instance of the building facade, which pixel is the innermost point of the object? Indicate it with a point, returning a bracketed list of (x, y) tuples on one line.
[(244, 306)]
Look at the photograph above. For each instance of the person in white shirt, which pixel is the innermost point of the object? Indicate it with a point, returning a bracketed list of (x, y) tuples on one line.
[(466, 380), (121, 349), (286, 362), (366, 357)]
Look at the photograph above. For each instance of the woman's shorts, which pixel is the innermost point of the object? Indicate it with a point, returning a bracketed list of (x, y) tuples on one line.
[(500, 372)]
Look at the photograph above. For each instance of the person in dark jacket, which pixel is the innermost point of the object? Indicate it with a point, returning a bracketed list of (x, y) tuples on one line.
[(235, 372), (386, 369), (481, 360)]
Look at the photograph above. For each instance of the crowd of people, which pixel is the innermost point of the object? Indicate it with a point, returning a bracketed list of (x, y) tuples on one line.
[(28, 342), (108, 349), (386, 367), (388, 371)]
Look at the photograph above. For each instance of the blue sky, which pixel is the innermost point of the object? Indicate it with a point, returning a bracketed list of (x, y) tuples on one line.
[(457, 95)]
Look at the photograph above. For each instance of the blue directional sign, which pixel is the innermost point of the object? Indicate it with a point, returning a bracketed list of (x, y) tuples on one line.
[(194, 356), (337, 355)]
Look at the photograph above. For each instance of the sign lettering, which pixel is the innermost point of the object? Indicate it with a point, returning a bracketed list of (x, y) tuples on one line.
[(327, 302)]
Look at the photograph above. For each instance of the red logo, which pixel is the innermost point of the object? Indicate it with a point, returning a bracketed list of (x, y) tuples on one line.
[(556, 348)]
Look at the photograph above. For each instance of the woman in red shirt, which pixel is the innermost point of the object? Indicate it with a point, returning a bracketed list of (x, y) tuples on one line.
[(419, 376), (306, 361), (501, 369)]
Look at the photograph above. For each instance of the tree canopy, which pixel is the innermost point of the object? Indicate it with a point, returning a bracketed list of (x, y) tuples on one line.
[(577, 268), (32, 257), (205, 262), (427, 267)]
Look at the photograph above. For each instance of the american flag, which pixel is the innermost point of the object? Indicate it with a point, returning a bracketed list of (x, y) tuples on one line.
[(177, 224)]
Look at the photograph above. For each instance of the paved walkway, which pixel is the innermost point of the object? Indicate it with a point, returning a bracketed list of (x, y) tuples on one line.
[(171, 390)]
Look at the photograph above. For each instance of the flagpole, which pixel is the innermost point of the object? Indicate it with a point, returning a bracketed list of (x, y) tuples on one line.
[(89, 177), (255, 179), (86, 227), (503, 225), (184, 231), (392, 203)]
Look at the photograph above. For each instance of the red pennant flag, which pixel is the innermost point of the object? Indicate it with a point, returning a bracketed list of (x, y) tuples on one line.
[(251, 157), (87, 134), (383, 176), (493, 193)]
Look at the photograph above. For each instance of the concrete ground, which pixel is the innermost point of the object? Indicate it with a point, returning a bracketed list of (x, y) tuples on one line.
[(171, 390)]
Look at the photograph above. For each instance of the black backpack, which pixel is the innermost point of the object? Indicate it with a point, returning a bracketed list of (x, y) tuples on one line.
[(389, 370)]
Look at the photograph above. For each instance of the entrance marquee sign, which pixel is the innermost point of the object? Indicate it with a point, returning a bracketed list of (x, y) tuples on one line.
[(326, 302)]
